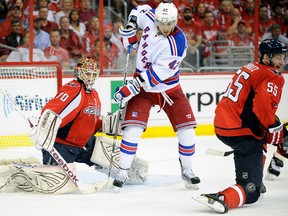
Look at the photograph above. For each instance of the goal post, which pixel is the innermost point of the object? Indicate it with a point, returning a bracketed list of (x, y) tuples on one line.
[(25, 88)]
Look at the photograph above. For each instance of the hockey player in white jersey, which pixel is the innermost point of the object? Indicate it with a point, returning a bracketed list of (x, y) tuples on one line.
[(156, 82)]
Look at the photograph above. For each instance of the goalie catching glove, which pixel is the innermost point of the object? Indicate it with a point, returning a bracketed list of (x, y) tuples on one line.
[(126, 92), (128, 38), (109, 123), (274, 133)]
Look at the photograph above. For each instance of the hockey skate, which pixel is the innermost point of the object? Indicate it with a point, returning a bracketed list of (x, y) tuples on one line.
[(213, 201), (121, 179), (274, 168), (191, 181)]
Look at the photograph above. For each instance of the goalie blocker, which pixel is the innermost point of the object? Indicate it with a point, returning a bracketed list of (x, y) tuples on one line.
[(45, 133)]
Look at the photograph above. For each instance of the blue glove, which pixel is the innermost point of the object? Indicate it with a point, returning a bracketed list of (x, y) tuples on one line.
[(126, 92), (129, 38)]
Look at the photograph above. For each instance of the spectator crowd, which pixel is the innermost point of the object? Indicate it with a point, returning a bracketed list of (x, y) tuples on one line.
[(66, 30)]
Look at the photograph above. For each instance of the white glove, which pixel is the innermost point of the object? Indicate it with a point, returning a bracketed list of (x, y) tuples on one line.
[(129, 38), (126, 92), (110, 121)]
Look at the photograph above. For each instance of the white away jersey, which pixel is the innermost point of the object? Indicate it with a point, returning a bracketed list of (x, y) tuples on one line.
[(158, 57)]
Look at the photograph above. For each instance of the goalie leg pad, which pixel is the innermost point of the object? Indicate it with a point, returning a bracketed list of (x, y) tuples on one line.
[(138, 173), (35, 179), (46, 130)]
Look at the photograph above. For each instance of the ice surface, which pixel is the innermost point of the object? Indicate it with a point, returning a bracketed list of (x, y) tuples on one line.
[(164, 192)]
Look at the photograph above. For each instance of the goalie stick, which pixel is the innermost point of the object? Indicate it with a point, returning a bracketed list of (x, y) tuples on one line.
[(83, 188), (216, 152), (120, 113)]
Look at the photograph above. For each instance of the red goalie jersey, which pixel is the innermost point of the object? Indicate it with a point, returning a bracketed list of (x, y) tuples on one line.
[(257, 90), (80, 112)]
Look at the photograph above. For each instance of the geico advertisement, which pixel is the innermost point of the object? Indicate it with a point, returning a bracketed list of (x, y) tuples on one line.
[(23, 99)]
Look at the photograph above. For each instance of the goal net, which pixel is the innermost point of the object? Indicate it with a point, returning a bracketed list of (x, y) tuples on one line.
[(24, 90)]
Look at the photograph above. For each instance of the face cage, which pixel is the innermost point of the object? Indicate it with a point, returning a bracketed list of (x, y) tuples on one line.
[(89, 79)]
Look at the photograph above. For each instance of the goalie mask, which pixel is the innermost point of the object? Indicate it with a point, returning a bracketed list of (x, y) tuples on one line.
[(87, 70)]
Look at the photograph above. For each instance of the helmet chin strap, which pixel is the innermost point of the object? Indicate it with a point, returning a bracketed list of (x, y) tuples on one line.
[(88, 90), (263, 60)]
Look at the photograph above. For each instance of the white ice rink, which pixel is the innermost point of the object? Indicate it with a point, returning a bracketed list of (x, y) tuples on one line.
[(163, 194)]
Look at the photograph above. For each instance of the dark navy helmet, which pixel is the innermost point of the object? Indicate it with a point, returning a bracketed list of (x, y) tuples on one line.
[(270, 47)]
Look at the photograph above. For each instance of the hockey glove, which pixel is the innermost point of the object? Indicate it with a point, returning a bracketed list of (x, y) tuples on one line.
[(274, 134), (111, 121), (129, 38), (126, 92), (282, 148)]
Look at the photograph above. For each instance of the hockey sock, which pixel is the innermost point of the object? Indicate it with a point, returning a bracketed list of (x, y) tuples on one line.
[(186, 147), (129, 145), (234, 196)]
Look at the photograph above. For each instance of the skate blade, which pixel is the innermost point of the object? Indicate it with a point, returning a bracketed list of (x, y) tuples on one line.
[(191, 186), (117, 189), (270, 177), (216, 206)]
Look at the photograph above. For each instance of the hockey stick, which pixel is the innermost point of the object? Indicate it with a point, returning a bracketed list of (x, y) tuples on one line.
[(216, 152), (211, 151), (118, 120), (61, 161)]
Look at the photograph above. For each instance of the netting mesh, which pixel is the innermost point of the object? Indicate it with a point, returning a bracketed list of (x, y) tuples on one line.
[(23, 93), (27, 72)]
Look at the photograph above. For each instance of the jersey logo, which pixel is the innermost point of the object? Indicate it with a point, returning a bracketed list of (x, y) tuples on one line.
[(134, 114), (92, 111), (73, 84)]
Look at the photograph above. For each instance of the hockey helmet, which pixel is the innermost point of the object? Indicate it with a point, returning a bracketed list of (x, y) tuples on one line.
[(87, 71), (270, 47), (166, 12)]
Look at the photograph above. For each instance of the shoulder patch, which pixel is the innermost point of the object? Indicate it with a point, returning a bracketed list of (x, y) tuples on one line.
[(277, 72), (73, 84), (151, 15)]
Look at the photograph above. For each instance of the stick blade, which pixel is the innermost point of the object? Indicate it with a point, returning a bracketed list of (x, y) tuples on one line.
[(215, 152)]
